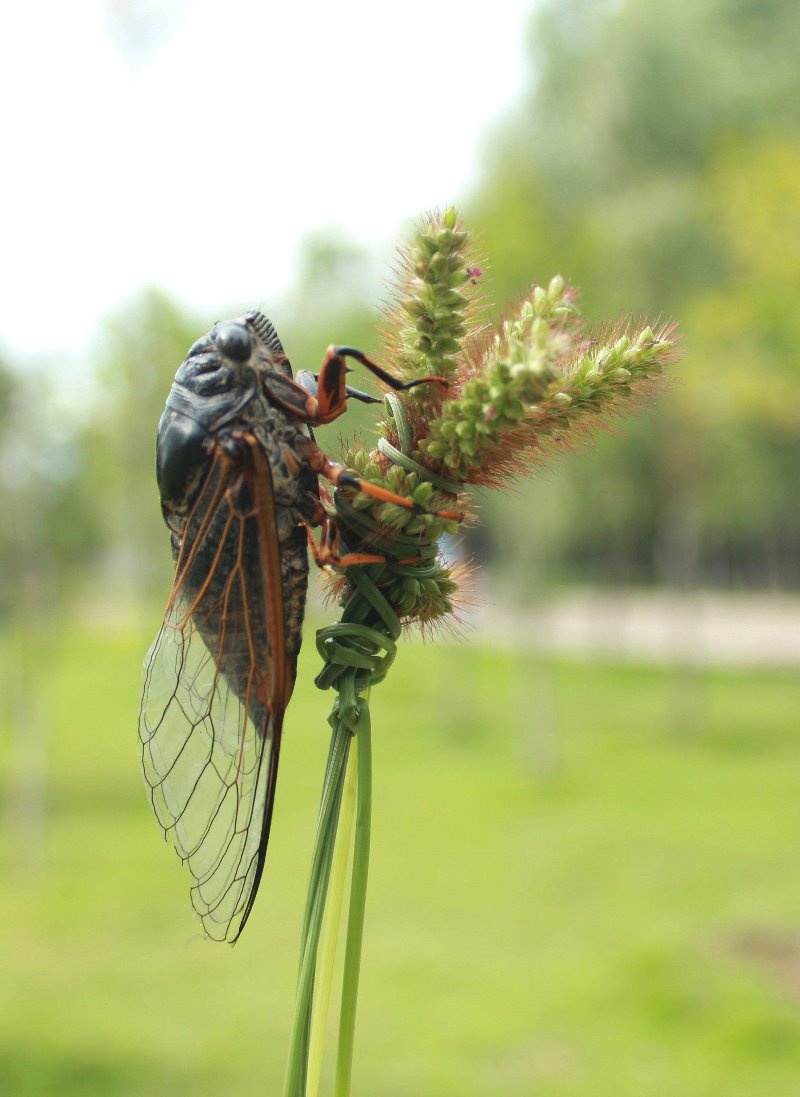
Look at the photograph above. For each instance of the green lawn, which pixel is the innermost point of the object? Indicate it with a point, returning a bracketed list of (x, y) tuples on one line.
[(569, 896)]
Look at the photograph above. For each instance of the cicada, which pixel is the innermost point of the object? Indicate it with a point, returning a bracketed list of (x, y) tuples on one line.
[(238, 473)]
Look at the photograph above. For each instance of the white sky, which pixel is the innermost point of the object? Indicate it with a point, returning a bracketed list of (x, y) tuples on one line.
[(197, 154)]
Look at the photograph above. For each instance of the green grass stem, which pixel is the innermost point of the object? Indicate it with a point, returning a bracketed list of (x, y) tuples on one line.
[(296, 1071), (358, 898), (330, 927)]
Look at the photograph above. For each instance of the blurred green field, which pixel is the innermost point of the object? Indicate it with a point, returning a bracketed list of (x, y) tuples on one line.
[(569, 897)]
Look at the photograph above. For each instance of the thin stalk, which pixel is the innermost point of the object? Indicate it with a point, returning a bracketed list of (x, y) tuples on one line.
[(330, 928), (358, 900), (333, 766), (295, 1085)]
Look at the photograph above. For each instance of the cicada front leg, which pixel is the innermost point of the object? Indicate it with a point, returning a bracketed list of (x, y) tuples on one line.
[(330, 391), (320, 398)]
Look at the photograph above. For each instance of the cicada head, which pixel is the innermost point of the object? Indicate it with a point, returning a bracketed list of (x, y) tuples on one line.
[(229, 343), (249, 342)]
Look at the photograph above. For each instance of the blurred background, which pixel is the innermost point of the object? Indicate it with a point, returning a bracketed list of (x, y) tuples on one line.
[(584, 876)]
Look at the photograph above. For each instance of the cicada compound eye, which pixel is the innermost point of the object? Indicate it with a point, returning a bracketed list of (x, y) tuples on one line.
[(234, 340)]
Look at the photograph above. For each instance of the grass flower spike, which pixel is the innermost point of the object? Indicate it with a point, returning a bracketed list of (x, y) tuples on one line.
[(508, 397)]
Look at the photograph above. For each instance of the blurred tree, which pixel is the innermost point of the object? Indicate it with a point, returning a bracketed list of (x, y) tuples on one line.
[(138, 352), (653, 163), (332, 301), (48, 532), (628, 106), (746, 331), (747, 326), (41, 487)]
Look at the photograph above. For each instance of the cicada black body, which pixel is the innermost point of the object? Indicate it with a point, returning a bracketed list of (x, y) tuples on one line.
[(238, 472), (236, 489)]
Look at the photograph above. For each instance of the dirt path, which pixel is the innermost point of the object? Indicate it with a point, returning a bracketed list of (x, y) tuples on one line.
[(704, 628)]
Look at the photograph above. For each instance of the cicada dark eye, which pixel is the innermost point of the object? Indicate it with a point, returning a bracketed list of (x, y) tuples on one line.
[(233, 340)]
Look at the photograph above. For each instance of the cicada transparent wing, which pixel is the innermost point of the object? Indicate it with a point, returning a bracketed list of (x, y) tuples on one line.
[(216, 683)]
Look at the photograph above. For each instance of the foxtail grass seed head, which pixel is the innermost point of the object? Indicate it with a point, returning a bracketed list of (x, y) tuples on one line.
[(514, 394), (434, 303)]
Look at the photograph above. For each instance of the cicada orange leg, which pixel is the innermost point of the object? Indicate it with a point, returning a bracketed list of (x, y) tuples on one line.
[(330, 391)]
